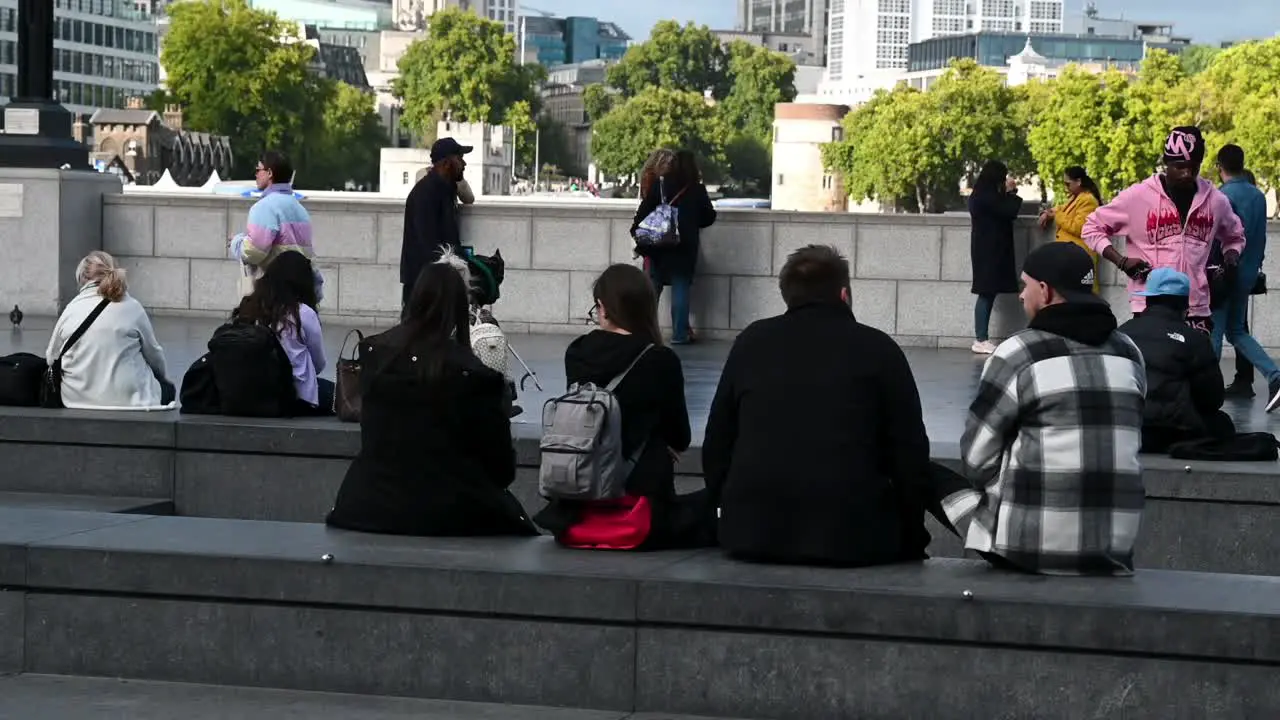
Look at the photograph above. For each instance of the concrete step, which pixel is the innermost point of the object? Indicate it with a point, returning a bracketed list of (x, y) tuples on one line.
[(85, 503), (55, 697)]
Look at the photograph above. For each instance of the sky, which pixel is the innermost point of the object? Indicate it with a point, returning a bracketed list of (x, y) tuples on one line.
[(1204, 21)]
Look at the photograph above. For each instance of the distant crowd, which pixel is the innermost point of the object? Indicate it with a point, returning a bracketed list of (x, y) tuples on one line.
[(815, 449)]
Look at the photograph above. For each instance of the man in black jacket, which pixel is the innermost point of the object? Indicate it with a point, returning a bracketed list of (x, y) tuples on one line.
[(1184, 381), (815, 449), (431, 212)]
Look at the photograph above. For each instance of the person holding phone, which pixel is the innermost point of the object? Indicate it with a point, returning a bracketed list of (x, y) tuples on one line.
[(1171, 220), (993, 207)]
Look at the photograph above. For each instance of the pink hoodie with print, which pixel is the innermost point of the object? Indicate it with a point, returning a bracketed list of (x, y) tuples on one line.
[(1148, 218)]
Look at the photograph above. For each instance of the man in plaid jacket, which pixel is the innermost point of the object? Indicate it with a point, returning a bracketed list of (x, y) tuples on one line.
[(1051, 443)]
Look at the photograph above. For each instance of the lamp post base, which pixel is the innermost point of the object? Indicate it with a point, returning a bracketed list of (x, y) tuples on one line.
[(37, 134)]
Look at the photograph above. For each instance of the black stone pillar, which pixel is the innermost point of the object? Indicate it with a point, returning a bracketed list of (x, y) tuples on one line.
[(35, 50), (36, 128)]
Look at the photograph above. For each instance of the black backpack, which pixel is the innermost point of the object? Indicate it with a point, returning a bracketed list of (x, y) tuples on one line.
[(21, 375), (251, 371)]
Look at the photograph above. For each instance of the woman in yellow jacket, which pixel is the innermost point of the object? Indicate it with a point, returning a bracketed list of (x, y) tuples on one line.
[(1083, 199)]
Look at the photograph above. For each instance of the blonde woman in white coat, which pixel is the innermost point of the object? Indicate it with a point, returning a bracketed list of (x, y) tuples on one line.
[(117, 364)]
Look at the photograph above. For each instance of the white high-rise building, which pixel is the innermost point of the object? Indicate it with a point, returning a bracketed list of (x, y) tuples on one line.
[(411, 14), (803, 17), (867, 39)]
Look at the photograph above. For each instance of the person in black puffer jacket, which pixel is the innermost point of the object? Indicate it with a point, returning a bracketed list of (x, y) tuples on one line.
[(1184, 381)]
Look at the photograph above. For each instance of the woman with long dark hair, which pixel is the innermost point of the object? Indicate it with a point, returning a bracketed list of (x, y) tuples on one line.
[(677, 181), (993, 206), (1083, 197), (284, 299), (436, 456), (654, 417)]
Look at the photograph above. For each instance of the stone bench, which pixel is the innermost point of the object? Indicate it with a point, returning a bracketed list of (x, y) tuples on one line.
[(521, 621), (1214, 518)]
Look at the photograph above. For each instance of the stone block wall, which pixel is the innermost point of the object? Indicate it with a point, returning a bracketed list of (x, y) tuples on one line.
[(911, 273)]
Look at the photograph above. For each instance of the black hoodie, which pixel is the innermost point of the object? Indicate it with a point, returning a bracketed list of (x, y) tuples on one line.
[(652, 402), (1090, 323), (651, 399)]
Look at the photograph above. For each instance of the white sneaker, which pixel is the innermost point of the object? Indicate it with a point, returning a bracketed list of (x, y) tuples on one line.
[(983, 347)]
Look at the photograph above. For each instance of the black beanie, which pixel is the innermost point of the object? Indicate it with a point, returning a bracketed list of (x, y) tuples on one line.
[(1185, 144)]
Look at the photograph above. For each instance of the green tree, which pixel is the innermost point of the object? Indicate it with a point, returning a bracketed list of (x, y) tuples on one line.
[(1068, 127), (348, 150), (892, 151), (749, 164), (974, 113), (911, 149), (688, 58), (1196, 59), (524, 129), (230, 70), (598, 101), (759, 79), (464, 67), (1152, 105), (657, 117), (1237, 93)]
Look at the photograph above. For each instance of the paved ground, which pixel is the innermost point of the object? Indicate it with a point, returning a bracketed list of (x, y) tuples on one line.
[(43, 697), (946, 377)]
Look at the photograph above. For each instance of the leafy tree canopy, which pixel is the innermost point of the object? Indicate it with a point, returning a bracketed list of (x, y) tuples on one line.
[(465, 67), (657, 117), (229, 68)]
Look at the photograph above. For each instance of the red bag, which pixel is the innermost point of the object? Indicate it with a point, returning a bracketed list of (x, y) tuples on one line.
[(621, 524)]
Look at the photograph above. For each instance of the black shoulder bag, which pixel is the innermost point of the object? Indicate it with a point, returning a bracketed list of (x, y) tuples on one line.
[(51, 388)]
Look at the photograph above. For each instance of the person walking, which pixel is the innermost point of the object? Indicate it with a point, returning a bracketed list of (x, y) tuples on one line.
[(1229, 321), (993, 206), (1083, 197), (1171, 219), (277, 222), (431, 212), (679, 183)]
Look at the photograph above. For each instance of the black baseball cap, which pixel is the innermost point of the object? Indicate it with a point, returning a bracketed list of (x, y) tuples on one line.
[(1066, 268), (447, 147)]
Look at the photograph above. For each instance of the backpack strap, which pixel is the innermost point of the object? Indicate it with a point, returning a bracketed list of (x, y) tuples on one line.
[(613, 384), (676, 197), (84, 327)]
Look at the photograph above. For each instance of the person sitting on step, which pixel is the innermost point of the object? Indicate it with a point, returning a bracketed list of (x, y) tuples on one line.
[(436, 455), (1184, 380), (117, 363)]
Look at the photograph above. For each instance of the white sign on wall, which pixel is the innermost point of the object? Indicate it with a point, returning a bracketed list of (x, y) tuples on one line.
[(21, 121), (10, 200)]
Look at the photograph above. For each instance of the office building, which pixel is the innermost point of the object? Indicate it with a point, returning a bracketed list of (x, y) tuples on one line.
[(552, 41), (415, 14), (104, 53), (794, 17), (332, 14), (868, 40)]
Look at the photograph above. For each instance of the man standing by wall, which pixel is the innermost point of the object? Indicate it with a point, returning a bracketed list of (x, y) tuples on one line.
[(431, 212), (1250, 205)]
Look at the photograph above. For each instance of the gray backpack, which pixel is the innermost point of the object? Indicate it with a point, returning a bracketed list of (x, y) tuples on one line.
[(582, 443)]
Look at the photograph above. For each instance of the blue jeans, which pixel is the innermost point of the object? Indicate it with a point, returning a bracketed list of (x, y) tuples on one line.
[(680, 289), (1230, 321), (982, 308)]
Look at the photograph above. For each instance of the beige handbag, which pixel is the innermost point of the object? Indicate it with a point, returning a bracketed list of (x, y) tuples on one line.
[(247, 278)]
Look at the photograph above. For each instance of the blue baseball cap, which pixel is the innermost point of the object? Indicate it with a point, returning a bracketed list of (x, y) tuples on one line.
[(1166, 282)]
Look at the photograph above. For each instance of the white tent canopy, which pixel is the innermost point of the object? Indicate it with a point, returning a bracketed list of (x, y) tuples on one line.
[(211, 182), (166, 182)]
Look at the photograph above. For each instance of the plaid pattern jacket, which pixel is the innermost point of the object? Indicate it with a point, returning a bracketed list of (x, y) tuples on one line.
[(1050, 448)]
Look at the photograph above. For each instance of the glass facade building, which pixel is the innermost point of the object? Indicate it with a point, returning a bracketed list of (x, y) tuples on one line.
[(105, 51), (994, 50), (566, 41)]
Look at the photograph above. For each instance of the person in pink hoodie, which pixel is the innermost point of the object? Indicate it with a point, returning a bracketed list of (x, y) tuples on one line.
[(1171, 220)]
